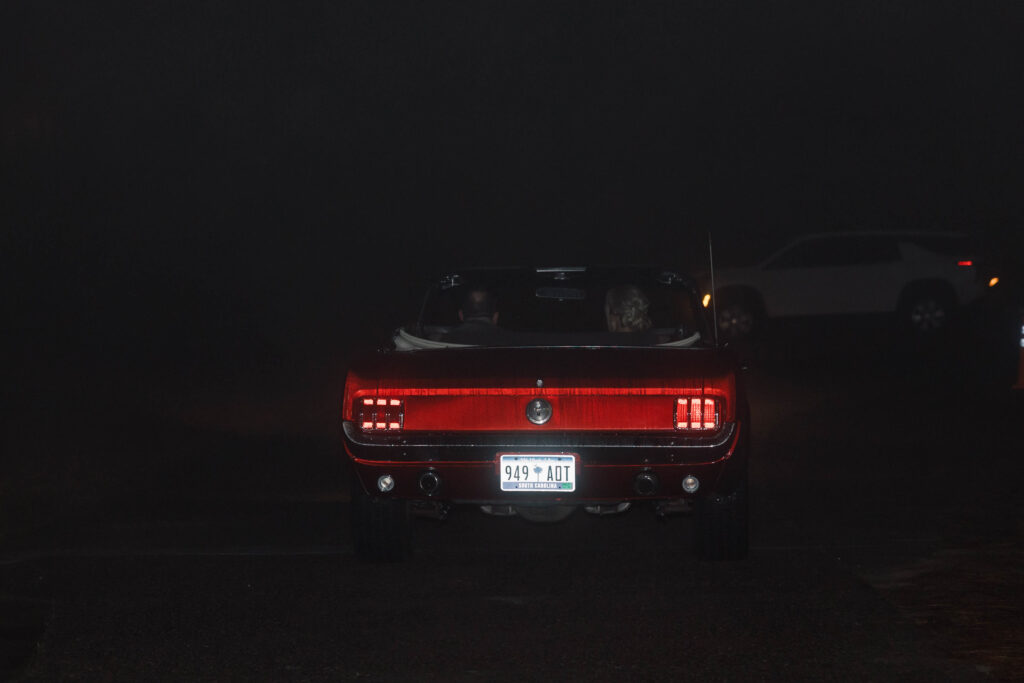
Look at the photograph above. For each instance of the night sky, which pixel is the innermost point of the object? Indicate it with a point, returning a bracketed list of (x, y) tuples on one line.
[(183, 177)]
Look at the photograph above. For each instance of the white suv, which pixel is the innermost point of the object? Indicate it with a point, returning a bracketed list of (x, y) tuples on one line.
[(920, 276)]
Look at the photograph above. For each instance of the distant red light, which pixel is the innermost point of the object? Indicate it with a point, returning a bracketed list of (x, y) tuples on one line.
[(965, 263)]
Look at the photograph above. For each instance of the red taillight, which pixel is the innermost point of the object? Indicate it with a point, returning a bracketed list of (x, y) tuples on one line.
[(965, 262), (380, 414), (698, 413)]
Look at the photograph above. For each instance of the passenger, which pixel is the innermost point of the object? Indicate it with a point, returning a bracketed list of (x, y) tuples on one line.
[(479, 308), (625, 309), (478, 317)]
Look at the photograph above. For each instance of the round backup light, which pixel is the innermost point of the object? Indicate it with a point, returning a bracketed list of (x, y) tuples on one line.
[(385, 483), (690, 483)]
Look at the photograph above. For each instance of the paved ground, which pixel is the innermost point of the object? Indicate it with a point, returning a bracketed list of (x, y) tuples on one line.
[(201, 538)]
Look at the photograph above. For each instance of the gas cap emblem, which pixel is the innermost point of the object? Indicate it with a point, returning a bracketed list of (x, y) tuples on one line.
[(538, 411)]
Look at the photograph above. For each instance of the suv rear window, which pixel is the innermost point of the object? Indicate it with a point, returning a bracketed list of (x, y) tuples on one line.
[(957, 246), (838, 251)]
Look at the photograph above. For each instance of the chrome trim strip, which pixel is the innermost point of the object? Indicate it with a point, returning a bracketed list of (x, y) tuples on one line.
[(534, 439)]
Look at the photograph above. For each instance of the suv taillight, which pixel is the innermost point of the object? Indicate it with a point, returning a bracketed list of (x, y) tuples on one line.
[(378, 414), (698, 414)]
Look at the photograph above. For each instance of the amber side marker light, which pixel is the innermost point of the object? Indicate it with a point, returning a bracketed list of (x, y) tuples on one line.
[(698, 414), (993, 282), (706, 301), (380, 414)]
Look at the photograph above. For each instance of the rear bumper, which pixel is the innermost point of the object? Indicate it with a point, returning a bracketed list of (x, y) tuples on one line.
[(607, 465)]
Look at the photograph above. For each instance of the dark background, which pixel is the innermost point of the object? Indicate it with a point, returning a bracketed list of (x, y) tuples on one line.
[(222, 186), (207, 206)]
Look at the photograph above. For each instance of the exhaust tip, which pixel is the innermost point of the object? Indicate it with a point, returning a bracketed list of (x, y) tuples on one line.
[(430, 482), (645, 483)]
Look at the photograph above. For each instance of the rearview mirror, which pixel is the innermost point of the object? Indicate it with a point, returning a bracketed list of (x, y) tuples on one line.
[(561, 293)]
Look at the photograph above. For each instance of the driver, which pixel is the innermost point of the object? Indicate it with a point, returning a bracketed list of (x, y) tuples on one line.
[(478, 317)]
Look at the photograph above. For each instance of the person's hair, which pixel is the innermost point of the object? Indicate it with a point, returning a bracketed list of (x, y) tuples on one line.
[(628, 305), (478, 303)]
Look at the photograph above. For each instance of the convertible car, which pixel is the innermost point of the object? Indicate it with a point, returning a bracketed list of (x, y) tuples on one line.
[(536, 392)]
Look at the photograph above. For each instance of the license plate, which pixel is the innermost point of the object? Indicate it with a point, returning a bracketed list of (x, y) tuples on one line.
[(537, 472)]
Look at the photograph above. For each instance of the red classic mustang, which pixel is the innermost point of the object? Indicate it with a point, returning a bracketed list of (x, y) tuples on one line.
[(537, 391)]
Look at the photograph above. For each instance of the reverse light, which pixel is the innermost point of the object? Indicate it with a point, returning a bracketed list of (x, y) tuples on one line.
[(698, 413), (691, 483), (385, 483), (377, 414)]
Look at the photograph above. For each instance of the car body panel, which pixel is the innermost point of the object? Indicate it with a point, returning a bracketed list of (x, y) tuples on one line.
[(612, 408), (500, 380)]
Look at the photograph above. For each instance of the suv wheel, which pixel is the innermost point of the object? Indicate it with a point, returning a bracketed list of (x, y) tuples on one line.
[(381, 527), (737, 319), (926, 312), (722, 525)]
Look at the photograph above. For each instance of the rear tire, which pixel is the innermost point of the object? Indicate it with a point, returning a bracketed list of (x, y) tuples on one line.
[(381, 527), (722, 525)]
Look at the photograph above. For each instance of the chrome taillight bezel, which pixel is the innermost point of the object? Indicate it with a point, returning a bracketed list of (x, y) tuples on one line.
[(379, 413), (692, 414)]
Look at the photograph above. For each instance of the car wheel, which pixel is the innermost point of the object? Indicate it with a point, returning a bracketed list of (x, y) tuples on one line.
[(927, 312), (736, 319), (381, 528), (722, 522)]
